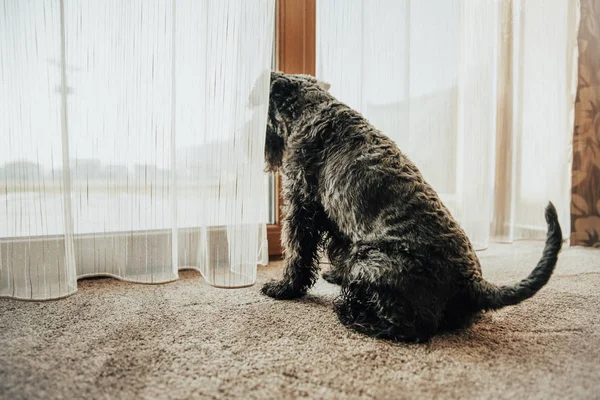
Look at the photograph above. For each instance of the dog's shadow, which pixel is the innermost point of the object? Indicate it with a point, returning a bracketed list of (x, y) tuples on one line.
[(477, 341), (481, 337), (318, 300)]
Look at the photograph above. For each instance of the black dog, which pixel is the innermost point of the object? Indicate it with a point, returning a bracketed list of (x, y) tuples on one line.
[(406, 267)]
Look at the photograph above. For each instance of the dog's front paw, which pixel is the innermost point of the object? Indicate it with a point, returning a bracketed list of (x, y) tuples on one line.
[(332, 277), (281, 290)]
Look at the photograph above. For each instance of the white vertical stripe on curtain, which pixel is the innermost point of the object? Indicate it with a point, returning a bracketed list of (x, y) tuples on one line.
[(478, 93), (159, 144)]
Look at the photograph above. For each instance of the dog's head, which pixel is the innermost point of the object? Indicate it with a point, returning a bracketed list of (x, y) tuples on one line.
[(290, 95)]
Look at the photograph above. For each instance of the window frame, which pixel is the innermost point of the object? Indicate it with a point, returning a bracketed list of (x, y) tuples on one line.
[(295, 45)]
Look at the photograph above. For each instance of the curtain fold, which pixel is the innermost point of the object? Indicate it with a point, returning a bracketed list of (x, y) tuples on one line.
[(478, 93), (130, 147)]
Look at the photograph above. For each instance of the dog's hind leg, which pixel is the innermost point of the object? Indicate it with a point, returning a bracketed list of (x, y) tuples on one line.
[(385, 316), (378, 301), (301, 236)]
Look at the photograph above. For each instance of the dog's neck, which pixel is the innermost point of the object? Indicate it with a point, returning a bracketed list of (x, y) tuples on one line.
[(305, 110)]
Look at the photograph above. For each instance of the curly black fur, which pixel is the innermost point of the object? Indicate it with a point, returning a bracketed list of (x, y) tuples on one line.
[(406, 267)]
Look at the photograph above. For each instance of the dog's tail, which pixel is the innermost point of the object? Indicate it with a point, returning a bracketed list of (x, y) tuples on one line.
[(488, 296)]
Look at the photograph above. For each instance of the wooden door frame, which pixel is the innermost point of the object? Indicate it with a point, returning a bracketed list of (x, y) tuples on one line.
[(296, 54)]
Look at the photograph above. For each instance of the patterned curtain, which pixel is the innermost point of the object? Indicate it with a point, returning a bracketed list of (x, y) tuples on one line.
[(585, 205)]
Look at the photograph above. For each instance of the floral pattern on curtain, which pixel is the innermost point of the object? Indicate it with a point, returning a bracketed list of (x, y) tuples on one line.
[(585, 205)]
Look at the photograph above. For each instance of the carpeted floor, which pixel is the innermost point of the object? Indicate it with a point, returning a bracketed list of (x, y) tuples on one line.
[(189, 340)]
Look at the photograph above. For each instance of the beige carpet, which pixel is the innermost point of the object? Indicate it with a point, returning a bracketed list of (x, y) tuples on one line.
[(189, 340)]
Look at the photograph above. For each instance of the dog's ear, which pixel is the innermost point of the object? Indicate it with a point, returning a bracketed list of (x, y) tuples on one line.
[(323, 85), (274, 147)]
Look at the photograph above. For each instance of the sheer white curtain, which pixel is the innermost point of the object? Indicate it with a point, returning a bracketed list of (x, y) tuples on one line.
[(478, 93), (128, 144)]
